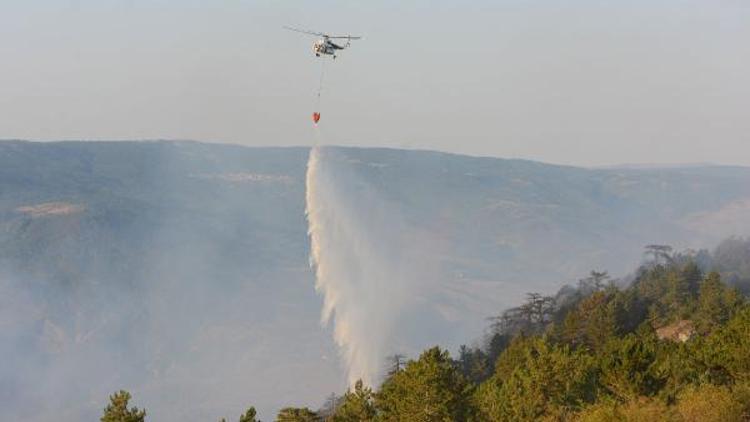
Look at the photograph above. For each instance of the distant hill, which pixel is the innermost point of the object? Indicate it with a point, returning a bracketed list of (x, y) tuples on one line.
[(179, 270)]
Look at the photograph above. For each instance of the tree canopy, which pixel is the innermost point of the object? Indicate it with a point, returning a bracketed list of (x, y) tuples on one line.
[(117, 410), (672, 344)]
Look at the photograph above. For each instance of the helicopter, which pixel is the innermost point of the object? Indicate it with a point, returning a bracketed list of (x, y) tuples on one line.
[(324, 46)]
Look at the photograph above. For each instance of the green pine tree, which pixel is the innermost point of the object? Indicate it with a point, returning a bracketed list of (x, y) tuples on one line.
[(726, 350), (716, 303), (249, 415), (591, 323), (428, 389), (295, 414), (628, 367), (117, 410), (550, 382), (357, 405)]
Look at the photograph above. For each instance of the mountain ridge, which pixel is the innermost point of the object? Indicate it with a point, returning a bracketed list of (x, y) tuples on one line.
[(616, 166)]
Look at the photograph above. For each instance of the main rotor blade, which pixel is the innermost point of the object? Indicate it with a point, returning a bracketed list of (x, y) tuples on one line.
[(346, 37), (304, 31)]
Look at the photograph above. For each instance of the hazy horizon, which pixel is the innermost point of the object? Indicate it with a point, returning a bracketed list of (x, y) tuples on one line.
[(614, 165), (585, 83)]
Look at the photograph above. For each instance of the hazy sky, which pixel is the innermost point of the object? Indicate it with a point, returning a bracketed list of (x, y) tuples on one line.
[(579, 82)]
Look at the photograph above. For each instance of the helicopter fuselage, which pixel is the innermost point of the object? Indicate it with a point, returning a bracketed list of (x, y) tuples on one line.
[(326, 47)]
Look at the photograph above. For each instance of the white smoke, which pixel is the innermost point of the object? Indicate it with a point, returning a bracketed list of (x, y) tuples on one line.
[(365, 261)]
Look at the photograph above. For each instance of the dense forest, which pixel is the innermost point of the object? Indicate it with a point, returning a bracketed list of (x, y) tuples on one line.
[(671, 342)]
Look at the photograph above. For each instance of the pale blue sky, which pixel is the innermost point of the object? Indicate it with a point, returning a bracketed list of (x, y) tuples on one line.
[(577, 82)]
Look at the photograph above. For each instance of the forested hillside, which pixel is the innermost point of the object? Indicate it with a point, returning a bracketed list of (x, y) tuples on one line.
[(670, 345)]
